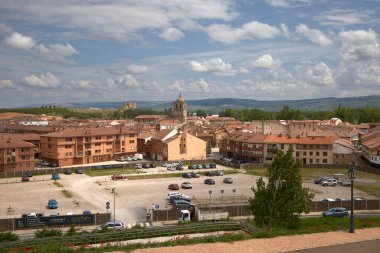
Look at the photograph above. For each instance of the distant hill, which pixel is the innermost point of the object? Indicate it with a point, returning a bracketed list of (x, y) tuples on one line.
[(218, 104)]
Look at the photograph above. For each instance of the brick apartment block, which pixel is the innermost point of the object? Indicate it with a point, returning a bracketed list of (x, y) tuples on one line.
[(88, 145), (16, 155)]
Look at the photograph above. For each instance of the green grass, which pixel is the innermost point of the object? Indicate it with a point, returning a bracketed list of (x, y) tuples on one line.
[(67, 194), (109, 172), (58, 184)]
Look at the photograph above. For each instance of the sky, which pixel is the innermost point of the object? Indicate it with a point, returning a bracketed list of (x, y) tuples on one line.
[(126, 50)]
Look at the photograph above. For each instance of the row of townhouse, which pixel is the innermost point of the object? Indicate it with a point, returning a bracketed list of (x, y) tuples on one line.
[(260, 148), (88, 145), (370, 144)]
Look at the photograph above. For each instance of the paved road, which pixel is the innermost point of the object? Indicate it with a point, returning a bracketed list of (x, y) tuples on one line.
[(357, 247)]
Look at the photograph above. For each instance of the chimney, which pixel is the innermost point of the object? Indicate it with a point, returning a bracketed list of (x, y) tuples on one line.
[(9, 140)]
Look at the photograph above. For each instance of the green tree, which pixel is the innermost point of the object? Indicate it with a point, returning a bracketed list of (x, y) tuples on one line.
[(282, 199)]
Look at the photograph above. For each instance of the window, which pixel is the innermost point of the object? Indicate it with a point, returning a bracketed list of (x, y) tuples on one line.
[(317, 153), (317, 161), (282, 146), (97, 144), (324, 160), (324, 153), (311, 153), (297, 154), (109, 137), (97, 151), (108, 143), (98, 137), (49, 139), (69, 139), (67, 146), (131, 135), (131, 141), (310, 160), (304, 153), (49, 145)]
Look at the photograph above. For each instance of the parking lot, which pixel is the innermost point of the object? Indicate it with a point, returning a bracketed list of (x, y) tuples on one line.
[(133, 197)]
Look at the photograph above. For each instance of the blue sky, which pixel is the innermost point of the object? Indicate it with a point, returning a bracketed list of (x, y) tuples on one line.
[(118, 50)]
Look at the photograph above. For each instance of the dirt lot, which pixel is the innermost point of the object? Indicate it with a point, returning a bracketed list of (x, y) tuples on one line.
[(133, 198)]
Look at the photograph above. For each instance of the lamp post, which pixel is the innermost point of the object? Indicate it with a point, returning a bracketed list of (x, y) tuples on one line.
[(114, 207), (209, 209), (352, 176), (222, 192)]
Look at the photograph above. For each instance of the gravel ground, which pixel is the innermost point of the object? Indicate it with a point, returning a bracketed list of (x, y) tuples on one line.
[(274, 245), (134, 197)]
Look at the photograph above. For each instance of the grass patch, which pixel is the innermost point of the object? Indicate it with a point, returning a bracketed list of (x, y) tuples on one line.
[(109, 172), (58, 184), (67, 194), (372, 189)]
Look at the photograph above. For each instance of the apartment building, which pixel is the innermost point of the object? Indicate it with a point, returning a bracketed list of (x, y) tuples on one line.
[(173, 145), (88, 145), (259, 148), (269, 127), (16, 155), (30, 137)]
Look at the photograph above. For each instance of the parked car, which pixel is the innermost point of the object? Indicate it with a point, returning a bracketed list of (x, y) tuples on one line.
[(186, 185), (328, 199), (336, 212), (117, 225), (197, 167), (171, 168), (152, 165), (55, 176), (146, 166), (179, 167), (182, 204), (218, 173), (25, 178), (178, 197), (79, 171), (209, 181), (346, 183), (52, 204), (329, 182), (340, 199), (138, 166), (194, 174), (173, 187), (204, 166), (319, 180), (68, 172), (121, 159), (86, 212), (186, 175), (45, 164), (29, 173), (212, 165), (177, 193), (116, 177), (210, 173), (228, 180), (191, 167)]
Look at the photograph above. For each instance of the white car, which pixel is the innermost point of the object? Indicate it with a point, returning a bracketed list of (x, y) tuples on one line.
[(177, 194), (329, 182), (138, 166), (118, 225)]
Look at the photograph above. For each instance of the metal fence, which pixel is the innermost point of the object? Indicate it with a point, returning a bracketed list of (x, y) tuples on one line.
[(131, 234)]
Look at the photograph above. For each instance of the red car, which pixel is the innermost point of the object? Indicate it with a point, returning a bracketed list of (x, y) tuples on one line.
[(173, 187), (116, 177)]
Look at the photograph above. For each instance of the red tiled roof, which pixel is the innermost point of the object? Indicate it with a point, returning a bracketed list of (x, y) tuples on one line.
[(10, 143), (161, 134), (94, 131)]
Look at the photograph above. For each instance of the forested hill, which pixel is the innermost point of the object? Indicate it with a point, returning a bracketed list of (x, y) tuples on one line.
[(219, 104)]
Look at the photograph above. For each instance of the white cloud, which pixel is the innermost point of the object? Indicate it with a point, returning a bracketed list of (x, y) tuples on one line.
[(19, 41), (278, 3), (6, 84), (319, 74), (285, 30), (177, 85), (43, 81), (119, 20), (171, 34), (136, 69), (359, 45), (249, 31), (342, 17), (289, 3), (129, 81), (314, 35), (89, 85), (216, 65), (264, 61), (200, 85), (56, 51)]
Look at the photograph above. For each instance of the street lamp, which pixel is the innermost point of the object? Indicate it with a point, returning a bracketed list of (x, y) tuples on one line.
[(210, 192), (222, 192), (114, 207), (352, 176)]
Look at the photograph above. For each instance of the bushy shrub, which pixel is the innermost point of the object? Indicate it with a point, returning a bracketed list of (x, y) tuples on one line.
[(48, 232), (8, 236)]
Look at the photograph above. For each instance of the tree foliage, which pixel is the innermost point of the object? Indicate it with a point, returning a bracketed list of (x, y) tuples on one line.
[(282, 199)]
